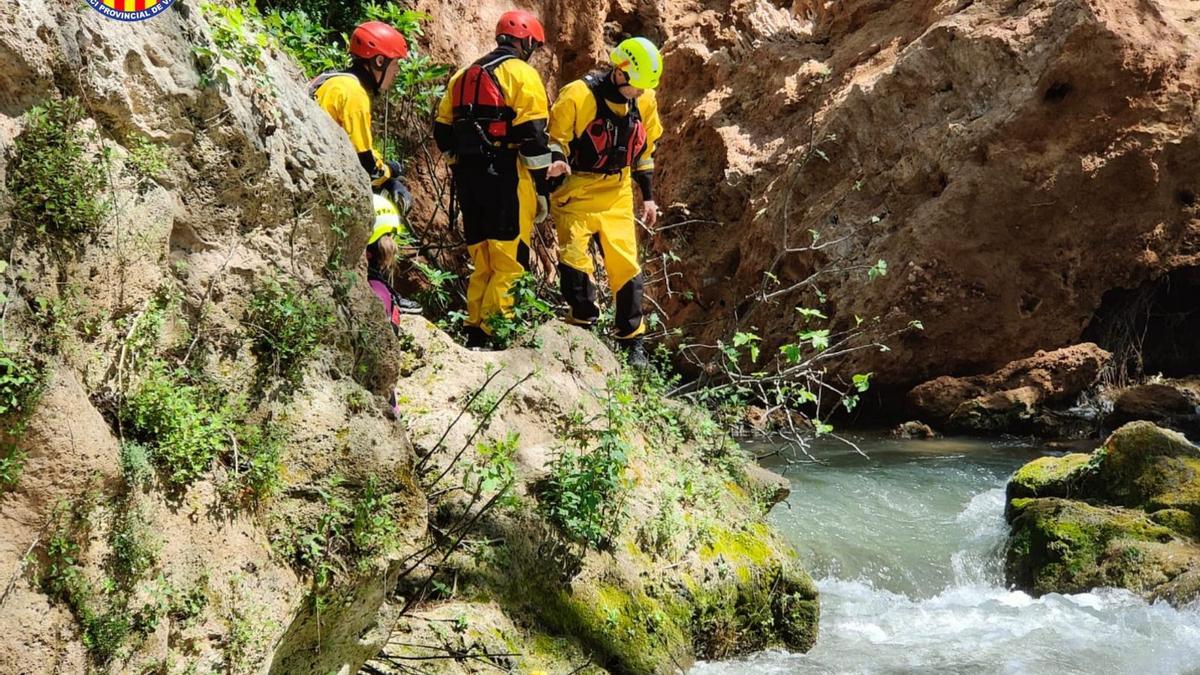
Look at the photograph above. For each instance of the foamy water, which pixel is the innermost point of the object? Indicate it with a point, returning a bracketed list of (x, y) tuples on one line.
[(908, 546)]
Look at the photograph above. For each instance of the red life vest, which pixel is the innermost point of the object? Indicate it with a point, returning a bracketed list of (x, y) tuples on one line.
[(611, 142), (482, 118)]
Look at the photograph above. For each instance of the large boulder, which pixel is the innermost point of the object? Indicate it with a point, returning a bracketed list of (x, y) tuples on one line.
[(1171, 403), (1017, 398), (1064, 546), (1125, 515)]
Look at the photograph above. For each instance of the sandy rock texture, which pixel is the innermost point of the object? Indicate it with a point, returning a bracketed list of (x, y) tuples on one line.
[(250, 166), (1020, 397), (693, 571)]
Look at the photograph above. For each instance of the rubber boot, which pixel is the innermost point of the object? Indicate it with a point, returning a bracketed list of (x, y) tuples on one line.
[(477, 340), (635, 353)]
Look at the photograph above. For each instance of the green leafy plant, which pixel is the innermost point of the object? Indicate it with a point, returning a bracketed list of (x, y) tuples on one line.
[(286, 328), (247, 631), (346, 534), (55, 178), (257, 464), (21, 382), (316, 48), (147, 158), (133, 548), (181, 426), (528, 312), (237, 38), (494, 471), (104, 609), (584, 494)]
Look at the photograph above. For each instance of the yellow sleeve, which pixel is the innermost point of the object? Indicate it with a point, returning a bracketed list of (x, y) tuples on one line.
[(445, 111), (648, 107), (523, 91), (350, 106), (568, 115)]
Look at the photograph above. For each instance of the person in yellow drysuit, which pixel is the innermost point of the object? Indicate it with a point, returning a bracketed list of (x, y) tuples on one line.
[(491, 125), (346, 95), (603, 132)]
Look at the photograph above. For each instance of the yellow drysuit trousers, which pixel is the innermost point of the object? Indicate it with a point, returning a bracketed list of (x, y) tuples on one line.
[(498, 202), (596, 205)]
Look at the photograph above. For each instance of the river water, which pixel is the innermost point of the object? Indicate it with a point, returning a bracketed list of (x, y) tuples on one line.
[(907, 549)]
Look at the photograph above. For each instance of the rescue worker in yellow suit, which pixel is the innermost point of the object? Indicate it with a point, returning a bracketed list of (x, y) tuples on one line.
[(491, 125), (346, 95), (603, 132)]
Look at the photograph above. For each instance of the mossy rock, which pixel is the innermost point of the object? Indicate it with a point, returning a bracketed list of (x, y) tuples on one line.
[(1182, 591), (630, 631), (1180, 521), (1143, 465), (744, 593), (1063, 477), (1176, 485), (1065, 546)]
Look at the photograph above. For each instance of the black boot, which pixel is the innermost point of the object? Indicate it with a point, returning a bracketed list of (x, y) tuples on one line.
[(477, 340), (406, 306), (635, 353)]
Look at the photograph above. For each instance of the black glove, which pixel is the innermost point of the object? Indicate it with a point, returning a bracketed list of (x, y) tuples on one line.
[(395, 190), (396, 169)]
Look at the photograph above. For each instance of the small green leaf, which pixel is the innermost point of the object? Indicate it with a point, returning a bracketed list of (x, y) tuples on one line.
[(879, 270)]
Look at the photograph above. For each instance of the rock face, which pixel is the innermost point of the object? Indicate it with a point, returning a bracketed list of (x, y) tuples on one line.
[(216, 184), (693, 571), (143, 334), (986, 150), (1127, 515), (1017, 398)]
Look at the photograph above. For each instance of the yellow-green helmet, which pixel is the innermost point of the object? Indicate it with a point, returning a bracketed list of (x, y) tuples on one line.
[(387, 219), (641, 60)]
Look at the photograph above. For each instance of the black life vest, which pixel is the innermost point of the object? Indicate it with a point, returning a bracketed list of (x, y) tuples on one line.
[(482, 118), (611, 142)]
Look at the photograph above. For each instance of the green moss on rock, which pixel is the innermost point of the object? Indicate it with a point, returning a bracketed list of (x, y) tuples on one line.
[(631, 631), (1181, 522), (1051, 476), (1141, 461), (1069, 547), (1177, 485)]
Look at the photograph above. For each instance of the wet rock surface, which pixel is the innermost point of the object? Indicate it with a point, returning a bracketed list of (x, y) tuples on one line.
[(1125, 515)]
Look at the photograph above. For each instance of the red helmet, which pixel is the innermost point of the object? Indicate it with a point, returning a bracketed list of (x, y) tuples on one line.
[(521, 24), (376, 38)]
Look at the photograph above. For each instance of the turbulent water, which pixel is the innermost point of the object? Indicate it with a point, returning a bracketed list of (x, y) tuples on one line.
[(907, 548)]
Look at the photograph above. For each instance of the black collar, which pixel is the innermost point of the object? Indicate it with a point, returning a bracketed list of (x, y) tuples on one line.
[(610, 91), (365, 77)]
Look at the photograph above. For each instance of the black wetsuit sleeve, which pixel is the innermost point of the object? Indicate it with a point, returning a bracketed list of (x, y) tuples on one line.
[(443, 136), (645, 181), (534, 143)]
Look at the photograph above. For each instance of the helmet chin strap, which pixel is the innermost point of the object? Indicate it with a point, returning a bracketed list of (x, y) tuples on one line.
[(379, 73)]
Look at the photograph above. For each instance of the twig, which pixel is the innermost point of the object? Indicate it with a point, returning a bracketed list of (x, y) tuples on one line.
[(207, 295), (463, 411), (464, 529), (12, 583), (479, 427)]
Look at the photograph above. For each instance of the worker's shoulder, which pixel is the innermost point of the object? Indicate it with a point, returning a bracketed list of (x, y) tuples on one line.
[(344, 84), (514, 67), (575, 89), (648, 103)]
